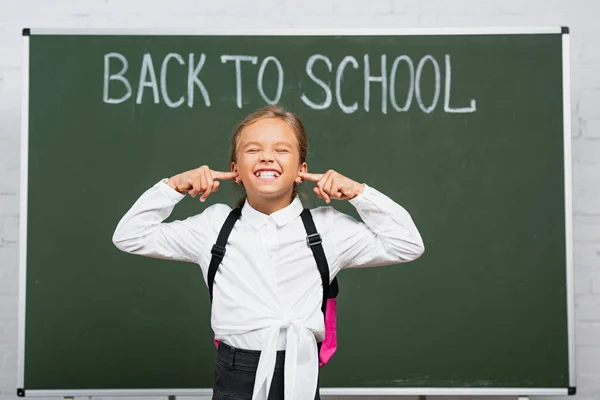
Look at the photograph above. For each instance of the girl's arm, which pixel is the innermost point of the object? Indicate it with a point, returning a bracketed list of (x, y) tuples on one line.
[(142, 231), (388, 234)]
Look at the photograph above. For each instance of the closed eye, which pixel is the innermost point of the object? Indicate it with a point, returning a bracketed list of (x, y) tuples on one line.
[(251, 150), (282, 150)]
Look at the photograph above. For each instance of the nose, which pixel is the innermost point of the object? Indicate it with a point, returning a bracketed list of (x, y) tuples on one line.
[(266, 156)]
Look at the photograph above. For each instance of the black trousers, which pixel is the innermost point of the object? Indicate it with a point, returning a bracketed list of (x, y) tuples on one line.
[(235, 372)]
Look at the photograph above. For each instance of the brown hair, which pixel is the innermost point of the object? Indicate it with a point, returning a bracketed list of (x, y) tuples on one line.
[(272, 111)]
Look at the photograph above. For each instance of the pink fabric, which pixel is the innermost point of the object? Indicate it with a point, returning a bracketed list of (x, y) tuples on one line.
[(329, 345)]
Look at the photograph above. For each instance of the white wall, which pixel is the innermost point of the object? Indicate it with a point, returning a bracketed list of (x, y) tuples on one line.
[(580, 15)]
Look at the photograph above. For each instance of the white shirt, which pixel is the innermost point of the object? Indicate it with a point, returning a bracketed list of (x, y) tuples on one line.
[(268, 291)]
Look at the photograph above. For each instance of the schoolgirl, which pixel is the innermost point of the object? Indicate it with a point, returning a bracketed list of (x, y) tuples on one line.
[(267, 293)]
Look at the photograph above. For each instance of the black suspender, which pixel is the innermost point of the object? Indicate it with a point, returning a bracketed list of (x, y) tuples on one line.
[(218, 249), (313, 240)]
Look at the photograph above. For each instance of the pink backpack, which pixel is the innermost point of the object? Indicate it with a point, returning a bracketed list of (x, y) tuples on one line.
[(330, 291)]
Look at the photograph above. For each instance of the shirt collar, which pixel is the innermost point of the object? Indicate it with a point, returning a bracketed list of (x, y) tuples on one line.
[(281, 217)]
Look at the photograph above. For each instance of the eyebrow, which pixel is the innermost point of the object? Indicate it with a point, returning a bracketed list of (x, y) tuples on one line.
[(287, 144)]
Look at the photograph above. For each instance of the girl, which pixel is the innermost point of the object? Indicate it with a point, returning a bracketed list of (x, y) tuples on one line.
[(266, 311)]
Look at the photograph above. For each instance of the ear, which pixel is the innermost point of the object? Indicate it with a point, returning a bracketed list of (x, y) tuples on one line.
[(234, 168), (303, 168)]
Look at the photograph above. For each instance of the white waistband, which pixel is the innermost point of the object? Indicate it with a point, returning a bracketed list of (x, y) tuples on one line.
[(253, 340), (301, 368)]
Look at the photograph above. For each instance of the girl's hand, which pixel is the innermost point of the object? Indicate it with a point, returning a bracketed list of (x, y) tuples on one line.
[(201, 181), (333, 185)]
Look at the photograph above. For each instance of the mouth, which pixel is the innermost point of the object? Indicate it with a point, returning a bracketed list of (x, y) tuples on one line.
[(267, 175)]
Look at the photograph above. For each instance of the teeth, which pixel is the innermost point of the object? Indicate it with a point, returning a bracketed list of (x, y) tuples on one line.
[(267, 174)]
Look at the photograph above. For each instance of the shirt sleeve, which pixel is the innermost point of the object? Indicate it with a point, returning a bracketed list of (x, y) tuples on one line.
[(142, 230), (386, 236)]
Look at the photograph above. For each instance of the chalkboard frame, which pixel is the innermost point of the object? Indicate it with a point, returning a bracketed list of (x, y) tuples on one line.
[(21, 392)]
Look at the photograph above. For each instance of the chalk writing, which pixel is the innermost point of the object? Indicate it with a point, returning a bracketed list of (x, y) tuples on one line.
[(321, 88)]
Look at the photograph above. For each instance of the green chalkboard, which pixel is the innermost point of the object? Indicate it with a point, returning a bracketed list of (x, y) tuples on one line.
[(465, 130)]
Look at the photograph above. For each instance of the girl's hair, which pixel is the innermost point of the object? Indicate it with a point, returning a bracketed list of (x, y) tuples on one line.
[(272, 111)]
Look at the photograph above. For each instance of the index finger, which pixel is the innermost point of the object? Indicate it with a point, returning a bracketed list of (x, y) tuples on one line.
[(223, 175), (310, 177)]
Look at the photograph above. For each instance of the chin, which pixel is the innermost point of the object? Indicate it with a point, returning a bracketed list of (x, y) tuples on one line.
[(270, 191)]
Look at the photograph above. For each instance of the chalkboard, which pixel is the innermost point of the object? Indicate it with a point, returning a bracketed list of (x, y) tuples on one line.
[(467, 129)]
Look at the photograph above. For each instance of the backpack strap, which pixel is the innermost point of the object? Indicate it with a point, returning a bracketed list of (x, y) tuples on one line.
[(218, 249), (313, 239)]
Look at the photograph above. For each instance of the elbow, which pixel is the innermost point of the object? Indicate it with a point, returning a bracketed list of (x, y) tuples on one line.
[(418, 245), (419, 248), (404, 251), (124, 243), (415, 249), (118, 241)]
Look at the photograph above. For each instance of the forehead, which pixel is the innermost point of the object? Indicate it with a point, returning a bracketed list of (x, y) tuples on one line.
[(268, 130)]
